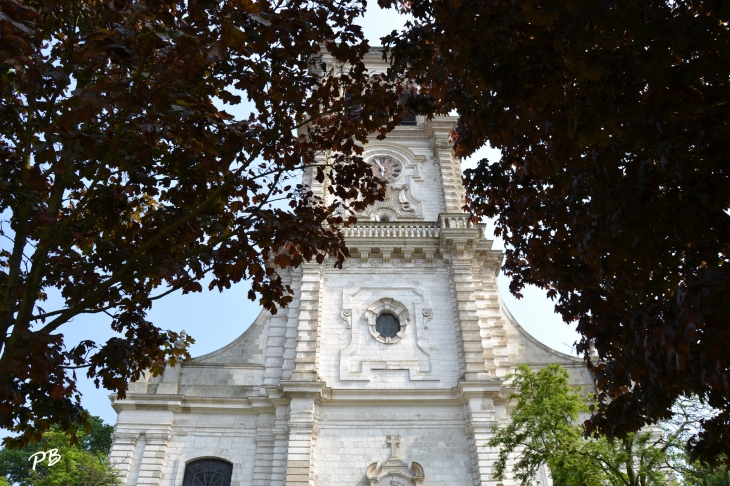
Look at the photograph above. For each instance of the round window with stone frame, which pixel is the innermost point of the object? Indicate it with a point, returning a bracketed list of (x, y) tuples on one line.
[(387, 320)]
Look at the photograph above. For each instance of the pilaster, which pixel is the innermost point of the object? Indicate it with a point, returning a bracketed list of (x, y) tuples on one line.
[(290, 330), (494, 336), (302, 441), (263, 459), (305, 363), (481, 419), (479, 432), (280, 432), (474, 364), (153, 458), (122, 451), (449, 165)]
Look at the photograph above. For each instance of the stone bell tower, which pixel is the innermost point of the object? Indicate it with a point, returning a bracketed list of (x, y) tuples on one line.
[(388, 371)]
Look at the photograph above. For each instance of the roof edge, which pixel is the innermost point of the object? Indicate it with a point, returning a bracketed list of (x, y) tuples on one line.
[(531, 338), (260, 319)]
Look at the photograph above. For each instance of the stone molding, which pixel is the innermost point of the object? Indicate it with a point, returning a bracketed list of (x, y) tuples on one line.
[(365, 353), (178, 467), (125, 437), (400, 200), (383, 305)]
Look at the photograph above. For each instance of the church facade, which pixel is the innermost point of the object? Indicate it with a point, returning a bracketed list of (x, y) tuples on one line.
[(389, 371)]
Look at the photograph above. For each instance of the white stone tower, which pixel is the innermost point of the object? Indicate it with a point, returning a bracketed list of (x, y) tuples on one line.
[(386, 372)]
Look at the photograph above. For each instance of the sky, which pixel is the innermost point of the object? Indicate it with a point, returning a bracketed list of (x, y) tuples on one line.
[(214, 318)]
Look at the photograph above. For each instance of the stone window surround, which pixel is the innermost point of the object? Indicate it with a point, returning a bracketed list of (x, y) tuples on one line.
[(211, 471), (178, 469), (391, 306)]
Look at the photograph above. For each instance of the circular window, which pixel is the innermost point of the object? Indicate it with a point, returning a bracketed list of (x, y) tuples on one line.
[(387, 325), (387, 320)]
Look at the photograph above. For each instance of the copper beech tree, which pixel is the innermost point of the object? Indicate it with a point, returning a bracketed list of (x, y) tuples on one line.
[(613, 188), (124, 179)]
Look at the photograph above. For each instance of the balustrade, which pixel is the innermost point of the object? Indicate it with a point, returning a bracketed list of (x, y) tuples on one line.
[(392, 231)]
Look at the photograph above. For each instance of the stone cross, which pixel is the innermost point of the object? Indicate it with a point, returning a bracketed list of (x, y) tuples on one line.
[(393, 441)]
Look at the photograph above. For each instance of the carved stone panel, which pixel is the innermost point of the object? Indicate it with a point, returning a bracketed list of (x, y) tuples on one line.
[(369, 351), (403, 175)]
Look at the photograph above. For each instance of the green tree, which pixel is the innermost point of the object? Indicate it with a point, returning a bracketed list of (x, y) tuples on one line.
[(123, 178), (544, 429), (76, 467), (699, 475), (611, 192), (688, 415), (84, 464)]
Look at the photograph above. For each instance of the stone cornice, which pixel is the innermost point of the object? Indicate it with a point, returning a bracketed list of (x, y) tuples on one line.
[(400, 396), (467, 389), (452, 236), (181, 403), (202, 364), (314, 389)]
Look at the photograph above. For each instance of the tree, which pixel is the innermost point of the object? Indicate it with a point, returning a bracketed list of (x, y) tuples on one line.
[(612, 189), (544, 429), (82, 465), (701, 475), (688, 414), (99, 438), (124, 179)]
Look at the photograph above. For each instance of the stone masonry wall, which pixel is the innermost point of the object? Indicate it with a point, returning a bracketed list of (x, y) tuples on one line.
[(352, 437), (437, 336)]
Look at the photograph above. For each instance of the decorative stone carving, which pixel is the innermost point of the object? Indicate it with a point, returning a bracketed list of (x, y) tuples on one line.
[(407, 202), (402, 172), (387, 304), (368, 352), (442, 143), (383, 215), (386, 257), (399, 203), (429, 259), (347, 316), (394, 472), (427, 317)]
